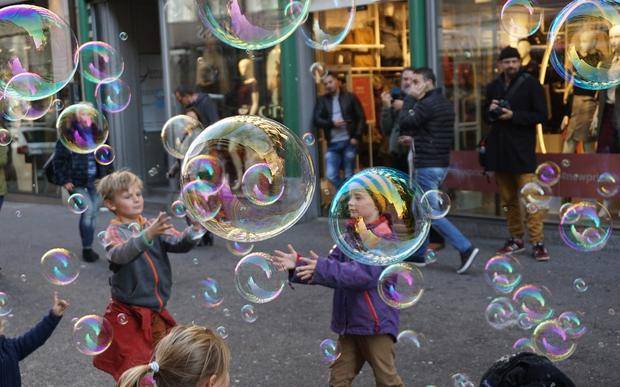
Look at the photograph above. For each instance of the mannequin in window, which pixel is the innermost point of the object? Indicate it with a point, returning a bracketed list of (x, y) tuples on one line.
[(392, 52), (248, 89), (273, 74), (581, 103), (527, 63)]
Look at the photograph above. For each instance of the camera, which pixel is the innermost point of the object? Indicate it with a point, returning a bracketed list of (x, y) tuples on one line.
[(495, 113), (397, 93)]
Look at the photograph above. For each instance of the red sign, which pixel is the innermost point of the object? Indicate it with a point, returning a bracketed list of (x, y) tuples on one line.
[(577, 180), (361, 86)]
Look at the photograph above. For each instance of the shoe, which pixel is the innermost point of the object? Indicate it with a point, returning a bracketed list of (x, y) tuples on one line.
[(416, 260), (540, 253), (89, 255), (467, 258), (512, 246), (207, 239)]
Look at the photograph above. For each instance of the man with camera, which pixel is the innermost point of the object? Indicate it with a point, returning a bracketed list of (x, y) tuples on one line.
[(516, 103), (426, 123)]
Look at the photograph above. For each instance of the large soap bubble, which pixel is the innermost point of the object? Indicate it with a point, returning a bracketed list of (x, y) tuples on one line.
[(178, 133), (100, 62), (82, 128), (520, 18), (578, 37), (15, 107), (251, 25), (235, 145), (257, 279), (586, 226), (324, 31), (377, 219), (38, 41)]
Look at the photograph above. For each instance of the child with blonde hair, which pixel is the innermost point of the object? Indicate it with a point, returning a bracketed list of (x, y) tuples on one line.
[(188, 356)]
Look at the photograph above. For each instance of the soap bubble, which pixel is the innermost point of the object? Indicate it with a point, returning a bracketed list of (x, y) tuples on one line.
[(5, 137), (82, 128), (525, 322), (611, 311), (501, 313), (243, 142), (222, 332), (430, 257), (409, 337), (178, 133), (548, 173), (586, 226), (534, 301), (503, 273), (123, 36), (153, 171), (18, 105), (438, 202), (330, 350), (178, 209), (113, 95), (323, 33), (520, 18), (104, 154), (607, 185), (571, 323), (226, 312), (92, 334), (100, 62), (570, 44), (211, 292), (550, 340), (523, 344), (135, 229), (122, 319), (248, 314), (401, 285), (36, 41), (248, 27), (462, 380), (58, 104), (77, 203), (206, 169), (239, 249), (102, 237), (60, 266), (257, 279), (308, 138), (400, 228), (318, 71), (5, 304), (537, 194), (565, 163), (580, 285), (531, 208), (23, 277)]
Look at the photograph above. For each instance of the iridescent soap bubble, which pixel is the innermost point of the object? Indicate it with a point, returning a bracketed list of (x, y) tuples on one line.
[(36, 41), (58, 104), (329, 350), (122, 319), (503, 273), (5, 137), (104, 155), (409, 336), (178, 133), (308, 138), (260, 147), (534, 193), (550, 340), (401, 285), (123, 36), (438, 202), (211, 293), (5, 304), (153, 171), (77, 203), (462, 380), (102, 237), (430, 257), (323, 33), (396, 225), (244, 26), (260, 186), (572, 324), (222, 332), (523, 344), (82, 128), (99, 62), (135, 229), (565, 163), (501, 313), (113, 95), (532, 208), (534, 301), (318, 71), (586, 226), (607, 185), (226, 312), (571, 46), (520, 18), (16, 107), (92, 334), (248, 314), (525, 322), (611, 311), (257, 279), (23, 277), (548, 173), (178, 209), (60, 266), (580, 285), (206, 169), (239, 249)]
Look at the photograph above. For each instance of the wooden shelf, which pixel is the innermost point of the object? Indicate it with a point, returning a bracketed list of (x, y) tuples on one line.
[(359, 46)]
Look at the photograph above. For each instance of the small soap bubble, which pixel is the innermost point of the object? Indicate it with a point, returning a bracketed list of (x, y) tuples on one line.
[(501, 313), (60, 266), (308, 138), (437, 202), (77, 203), (239, 249), (5, 304), (580, 285), (23, 278), (612, 312), (330, 350), (178, 209), (195, 261), (58, 104), (153, 172), (122, 319), (248, 313), (226, 312), (409, 337), (430, 257), (123, 36), (211, 293), (18, 213), (566, 163), (221, 330), (92, 334)]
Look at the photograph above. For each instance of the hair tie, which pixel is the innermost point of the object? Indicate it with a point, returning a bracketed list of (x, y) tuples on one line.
[(154, 366)]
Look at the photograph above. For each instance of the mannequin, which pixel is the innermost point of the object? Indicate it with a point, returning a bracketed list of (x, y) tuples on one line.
[(392, 53), (582, 106), (273, 74), (248, 90), (525, 51)]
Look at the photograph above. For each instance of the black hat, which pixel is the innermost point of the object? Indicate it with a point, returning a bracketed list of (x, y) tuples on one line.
[(525, 370), (509, 52)]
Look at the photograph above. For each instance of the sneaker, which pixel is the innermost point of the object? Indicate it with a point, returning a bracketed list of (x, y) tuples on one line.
[(416, 260), (512, 246), (89, 255), (540, 253), (467, 258)]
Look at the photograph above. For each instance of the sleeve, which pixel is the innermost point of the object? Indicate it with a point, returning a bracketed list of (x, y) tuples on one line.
[(122, 252), (36, 337), (62, 163), (212, 114), (537, 114), (321, 119), (387, 121), (346, 275), (177, 242), (4, 155), (360, 117), (412, 117)]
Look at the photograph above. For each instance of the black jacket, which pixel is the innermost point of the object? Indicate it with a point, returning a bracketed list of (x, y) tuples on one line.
[(430, 121), (511, 145), (71, 167), (352, 113), (207, 111)]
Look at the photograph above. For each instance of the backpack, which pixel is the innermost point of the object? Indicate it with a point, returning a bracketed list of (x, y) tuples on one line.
[(48, 168), (525, 370)]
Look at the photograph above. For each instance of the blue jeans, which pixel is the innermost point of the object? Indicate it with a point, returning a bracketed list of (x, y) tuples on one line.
[(432, 178), (339, 153), (88, 219)]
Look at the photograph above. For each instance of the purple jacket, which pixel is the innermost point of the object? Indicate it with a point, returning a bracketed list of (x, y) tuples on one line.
[(357, 307)]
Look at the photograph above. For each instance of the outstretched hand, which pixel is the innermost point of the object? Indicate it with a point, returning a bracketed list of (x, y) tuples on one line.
[(59, 306), (306, 271), (159, 227), (285, 261)]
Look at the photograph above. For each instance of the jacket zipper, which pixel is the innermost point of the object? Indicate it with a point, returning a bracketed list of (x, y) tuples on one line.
[(373, 312), (150, 261)]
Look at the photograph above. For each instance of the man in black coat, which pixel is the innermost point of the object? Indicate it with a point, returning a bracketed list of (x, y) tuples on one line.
[(340, 115), (201, 102), (426, 123), (516, 104)]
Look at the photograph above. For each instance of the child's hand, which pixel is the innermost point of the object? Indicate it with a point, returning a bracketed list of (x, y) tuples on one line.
[(59, 306), (285, 261), (159, 227), (306, 271)]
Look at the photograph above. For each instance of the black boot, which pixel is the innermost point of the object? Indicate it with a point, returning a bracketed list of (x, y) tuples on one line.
[(89, 255), (207, 239)]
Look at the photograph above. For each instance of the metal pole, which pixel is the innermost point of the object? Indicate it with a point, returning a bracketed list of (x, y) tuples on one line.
[(417, 32)]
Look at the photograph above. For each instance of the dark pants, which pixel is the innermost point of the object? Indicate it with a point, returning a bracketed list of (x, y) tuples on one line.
[(608, 136), (88, 218), (1, 201)]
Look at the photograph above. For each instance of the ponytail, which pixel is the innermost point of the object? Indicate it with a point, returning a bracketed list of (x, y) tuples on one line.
[(133, 376)]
